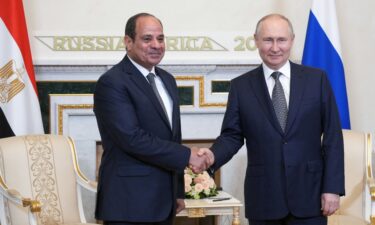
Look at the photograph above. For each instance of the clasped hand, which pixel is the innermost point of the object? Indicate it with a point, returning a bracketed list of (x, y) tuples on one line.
[(201, 159)]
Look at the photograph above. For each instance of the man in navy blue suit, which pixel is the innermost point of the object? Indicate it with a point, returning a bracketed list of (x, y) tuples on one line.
[(137, 110), (288, 116)]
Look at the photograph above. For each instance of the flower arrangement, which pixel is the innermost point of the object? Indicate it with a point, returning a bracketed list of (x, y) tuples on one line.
[(199, 185)]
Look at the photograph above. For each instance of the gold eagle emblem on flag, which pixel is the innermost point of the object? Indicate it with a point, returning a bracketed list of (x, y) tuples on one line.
[(11, 82)]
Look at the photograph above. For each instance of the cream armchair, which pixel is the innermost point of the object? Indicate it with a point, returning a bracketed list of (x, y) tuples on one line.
[(40, 181), (357, 206)]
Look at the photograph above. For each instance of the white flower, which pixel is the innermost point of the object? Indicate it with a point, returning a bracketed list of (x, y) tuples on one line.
[(188, 179), (198, 188), (198, 185), (187, 188)]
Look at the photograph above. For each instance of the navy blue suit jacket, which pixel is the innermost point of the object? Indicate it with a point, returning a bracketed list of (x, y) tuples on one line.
[(286, 172), (141, 171)]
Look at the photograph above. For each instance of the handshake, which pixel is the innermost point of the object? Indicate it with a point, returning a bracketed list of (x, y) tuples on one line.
[(200, 159)]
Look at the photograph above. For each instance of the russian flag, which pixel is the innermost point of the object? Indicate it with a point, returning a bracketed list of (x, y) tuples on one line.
[(322, 50), (20, 109)]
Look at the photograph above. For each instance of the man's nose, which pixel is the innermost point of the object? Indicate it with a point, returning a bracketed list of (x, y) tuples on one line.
[(275, 46), (155, 43)]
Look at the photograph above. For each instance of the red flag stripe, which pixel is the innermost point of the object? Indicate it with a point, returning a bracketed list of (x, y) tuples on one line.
[(14, 18)]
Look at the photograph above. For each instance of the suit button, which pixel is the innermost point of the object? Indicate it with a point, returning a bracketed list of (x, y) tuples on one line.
[(285, 142)]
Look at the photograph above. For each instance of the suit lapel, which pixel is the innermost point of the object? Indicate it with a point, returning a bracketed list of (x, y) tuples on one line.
[(297, 86), (142, 83), (260, 88)]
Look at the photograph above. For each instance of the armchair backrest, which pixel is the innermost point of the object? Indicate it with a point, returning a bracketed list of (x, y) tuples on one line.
[(357, 201), (42, 168)]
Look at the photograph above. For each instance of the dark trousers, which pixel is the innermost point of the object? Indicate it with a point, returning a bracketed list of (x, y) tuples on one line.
[(169, 221), (292, 220)]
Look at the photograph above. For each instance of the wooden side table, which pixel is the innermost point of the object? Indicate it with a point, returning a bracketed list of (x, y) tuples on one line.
[(209, 207)]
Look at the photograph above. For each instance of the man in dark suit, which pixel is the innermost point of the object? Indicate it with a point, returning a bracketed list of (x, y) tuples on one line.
[(289, 119), (137, 110)]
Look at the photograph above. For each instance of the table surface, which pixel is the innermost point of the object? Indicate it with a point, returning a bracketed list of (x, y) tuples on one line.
[(209, 202)]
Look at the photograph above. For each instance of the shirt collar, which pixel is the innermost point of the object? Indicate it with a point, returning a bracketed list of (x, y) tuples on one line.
[(285, 70), (141, 69)]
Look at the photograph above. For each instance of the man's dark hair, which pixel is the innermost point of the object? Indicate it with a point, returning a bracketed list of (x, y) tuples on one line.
[(132, 22)]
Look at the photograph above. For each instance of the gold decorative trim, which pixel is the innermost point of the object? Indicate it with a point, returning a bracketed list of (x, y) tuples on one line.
[(62, 107), (60, 118), (43, 175), (196, 212), (91, 43), (75, 159), (202, 102), (33, 204)]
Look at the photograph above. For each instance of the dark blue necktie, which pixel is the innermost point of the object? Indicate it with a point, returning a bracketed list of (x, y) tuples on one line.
[(151, 80)]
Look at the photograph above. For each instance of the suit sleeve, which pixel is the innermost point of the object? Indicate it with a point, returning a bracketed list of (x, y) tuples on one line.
[(116, 113), (231, 138), (180, 185), (332, 143)]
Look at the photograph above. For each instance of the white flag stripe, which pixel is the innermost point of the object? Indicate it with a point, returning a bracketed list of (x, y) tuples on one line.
[(8, 46), (22, 111), (22, 115), (323, 9)]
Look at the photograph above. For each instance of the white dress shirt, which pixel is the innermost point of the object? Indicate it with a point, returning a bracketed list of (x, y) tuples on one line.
[(168, 103), (284, 79)]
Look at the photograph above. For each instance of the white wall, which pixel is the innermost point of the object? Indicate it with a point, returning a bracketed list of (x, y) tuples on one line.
[(357, 27), (356, 21)]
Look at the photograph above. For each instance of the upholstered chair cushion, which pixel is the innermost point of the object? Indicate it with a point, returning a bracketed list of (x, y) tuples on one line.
[(353, 204), (41, 167)]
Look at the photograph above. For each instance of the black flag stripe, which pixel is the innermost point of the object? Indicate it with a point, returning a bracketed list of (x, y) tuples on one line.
[(5, 130)]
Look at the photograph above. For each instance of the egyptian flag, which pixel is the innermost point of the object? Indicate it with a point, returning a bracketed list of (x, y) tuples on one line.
[(20, 109), (323, 50)]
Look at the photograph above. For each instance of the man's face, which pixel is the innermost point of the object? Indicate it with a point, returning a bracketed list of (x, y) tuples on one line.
[(148, 47), (274, 41)]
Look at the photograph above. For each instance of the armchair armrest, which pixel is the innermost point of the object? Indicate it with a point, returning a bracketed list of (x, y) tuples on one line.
[(86, 183), (81, 178), (14, 196), (82, 181)]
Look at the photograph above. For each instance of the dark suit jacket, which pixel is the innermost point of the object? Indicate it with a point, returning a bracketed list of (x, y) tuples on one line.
[(286, 172), (142, 154)]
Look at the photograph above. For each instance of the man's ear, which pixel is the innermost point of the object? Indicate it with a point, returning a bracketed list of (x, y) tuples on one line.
[(256, 40), (128, 42)]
